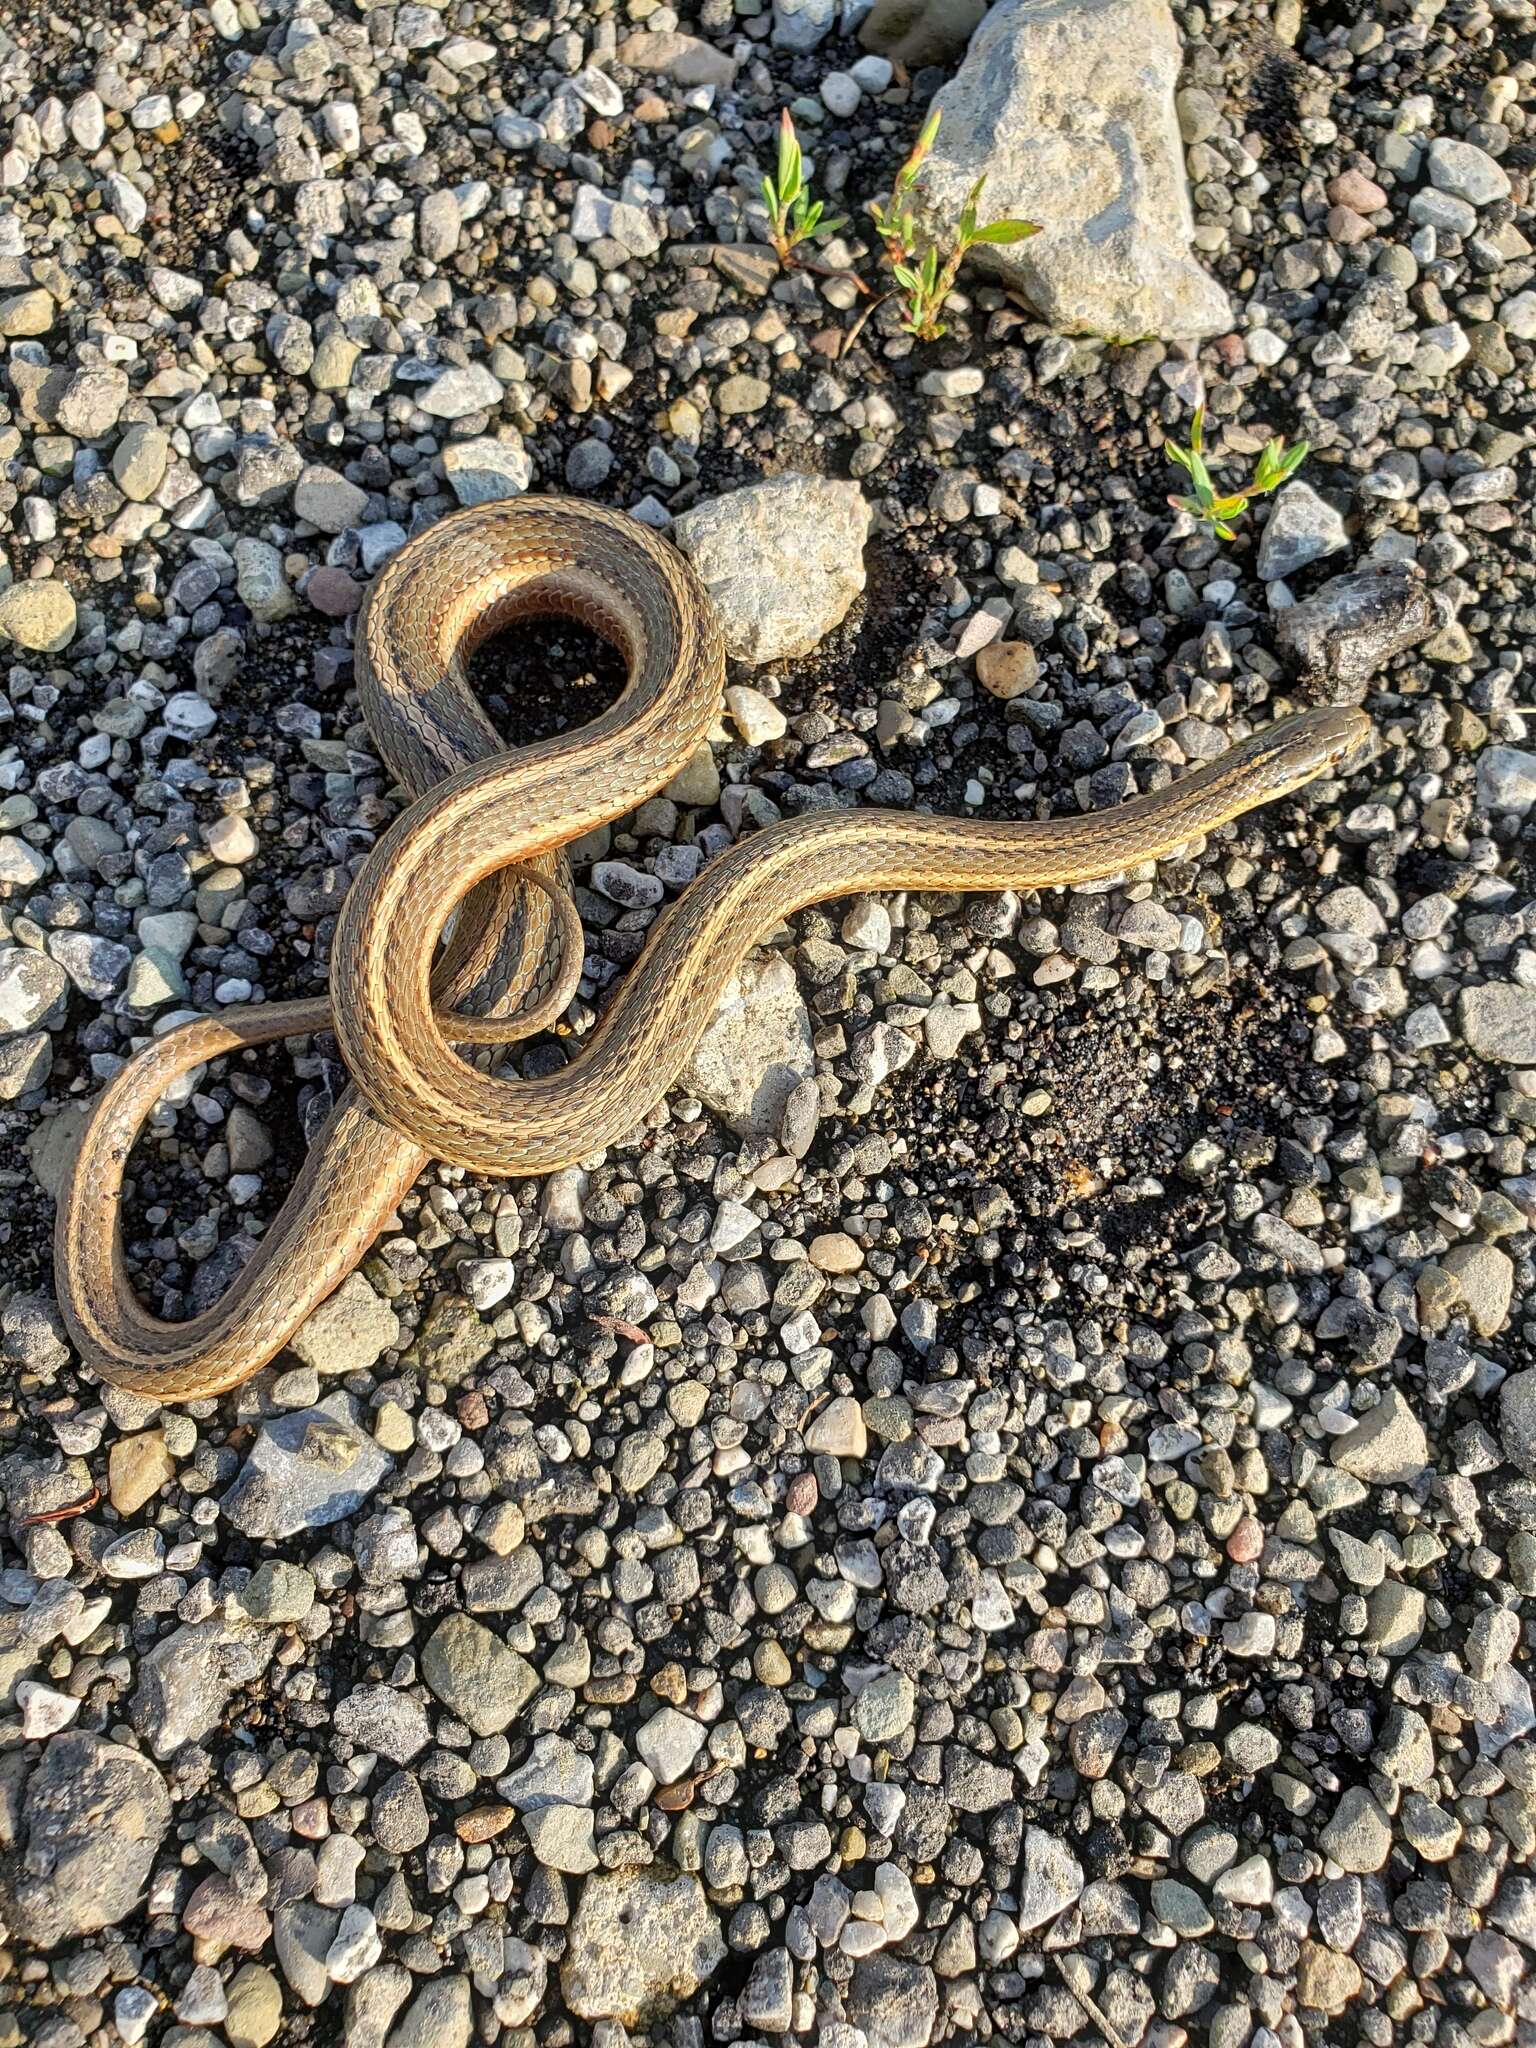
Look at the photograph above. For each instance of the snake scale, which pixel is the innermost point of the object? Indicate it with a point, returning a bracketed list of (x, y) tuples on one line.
[(418, 1019)]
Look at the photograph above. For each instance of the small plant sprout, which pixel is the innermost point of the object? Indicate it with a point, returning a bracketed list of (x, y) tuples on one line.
[(924, 275), (1213, 513), (894, 223), (793, 216)]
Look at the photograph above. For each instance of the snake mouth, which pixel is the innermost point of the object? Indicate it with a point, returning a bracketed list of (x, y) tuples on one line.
[(1315, 742), (1352, 736)]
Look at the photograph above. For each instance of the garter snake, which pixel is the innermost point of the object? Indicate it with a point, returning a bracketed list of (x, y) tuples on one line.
[(483, 838)]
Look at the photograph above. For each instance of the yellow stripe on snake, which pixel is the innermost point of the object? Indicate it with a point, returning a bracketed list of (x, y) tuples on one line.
[(484, 836)]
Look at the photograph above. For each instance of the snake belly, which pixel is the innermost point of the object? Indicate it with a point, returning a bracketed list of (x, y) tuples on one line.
[(484, 838)]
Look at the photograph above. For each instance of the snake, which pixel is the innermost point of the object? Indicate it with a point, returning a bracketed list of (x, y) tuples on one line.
[(480, 852)]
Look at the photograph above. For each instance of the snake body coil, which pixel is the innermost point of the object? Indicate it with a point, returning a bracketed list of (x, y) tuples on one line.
[(484, 836)]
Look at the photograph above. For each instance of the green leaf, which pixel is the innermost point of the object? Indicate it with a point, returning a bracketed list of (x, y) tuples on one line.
[(1179, 455), (1269, 460), (968, 211), (907, 176), (789, 157), (830, 227), (771, 197), (1225, 531), (1295, 459), (1199, 472), (1197, 430), (1007, 231), (931, 270), (905, 276), (1229, 508)]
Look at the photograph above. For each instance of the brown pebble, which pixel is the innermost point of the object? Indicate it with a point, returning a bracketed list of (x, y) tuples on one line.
[(472, 1411), (650, 107), (601, 134), (802, 1494), (1356, 191), (1246, 1543), (670, 1683), (216, 1913), (332, 591), (1346, 227), (1007, 668), (484, 1823)]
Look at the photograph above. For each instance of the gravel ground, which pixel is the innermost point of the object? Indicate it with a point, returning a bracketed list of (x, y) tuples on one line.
[(1008, 1508)]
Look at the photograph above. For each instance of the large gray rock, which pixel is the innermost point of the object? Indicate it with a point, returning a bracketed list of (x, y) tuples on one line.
[(641, 1939), (79, 1828), (1301, 528), (1067, 107), (783, 561), (801, 24), (756, 1049), (1342, 634), (187, 1678), (1498, 1021), (306, 1470), (1517, 1420), (894, 2003)]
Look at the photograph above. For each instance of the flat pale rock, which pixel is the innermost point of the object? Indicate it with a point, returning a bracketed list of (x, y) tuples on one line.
[(783, 561), (1498, 1021), (1386, 1447), (472, 1671), (486, 469), (1052, 1880), (39, 615), (641, 1940), (1486, 1278), (688, 60), (756, 1049), (349, 1332), (137, 1467)]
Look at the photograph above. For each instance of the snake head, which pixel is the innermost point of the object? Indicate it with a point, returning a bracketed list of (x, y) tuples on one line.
[(1295, 751)]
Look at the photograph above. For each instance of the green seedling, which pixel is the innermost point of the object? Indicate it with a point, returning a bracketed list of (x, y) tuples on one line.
[(1214, 512), (793, 216), (926, 276)]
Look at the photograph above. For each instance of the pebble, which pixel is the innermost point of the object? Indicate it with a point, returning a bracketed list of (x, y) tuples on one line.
[(476, 1675), (306, 1470), (39, 616), (1301, 528), (1466, 172)]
